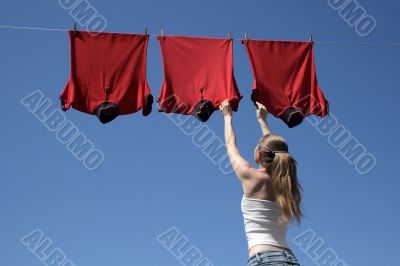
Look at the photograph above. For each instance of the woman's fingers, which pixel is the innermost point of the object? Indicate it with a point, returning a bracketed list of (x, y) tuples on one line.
[(224, 104), (225, 108), (260, 105)]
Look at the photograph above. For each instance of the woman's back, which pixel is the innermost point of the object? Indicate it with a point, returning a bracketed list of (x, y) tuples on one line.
[(259, 185)]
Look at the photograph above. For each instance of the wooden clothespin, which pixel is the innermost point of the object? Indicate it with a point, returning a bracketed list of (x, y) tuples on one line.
[(162, 33), (74, 28), (229, 35), (246, 38)]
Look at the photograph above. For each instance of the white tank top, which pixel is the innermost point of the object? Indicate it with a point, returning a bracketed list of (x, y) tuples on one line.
[(261, 223)]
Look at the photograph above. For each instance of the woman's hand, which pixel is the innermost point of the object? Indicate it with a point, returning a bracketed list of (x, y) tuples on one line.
[(261, 111), (225, 108)]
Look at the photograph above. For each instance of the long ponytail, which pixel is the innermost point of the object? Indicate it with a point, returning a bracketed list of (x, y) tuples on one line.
[(286, 187), (282, 168)]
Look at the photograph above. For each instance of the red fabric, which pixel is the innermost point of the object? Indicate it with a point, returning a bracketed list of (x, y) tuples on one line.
[(107, 67), (196, 69), (284, 76)]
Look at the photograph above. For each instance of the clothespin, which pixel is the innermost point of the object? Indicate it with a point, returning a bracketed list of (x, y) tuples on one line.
[(145, 32), (74, 28), (246, 38), (311, 38), (162, 33), (229, 35)]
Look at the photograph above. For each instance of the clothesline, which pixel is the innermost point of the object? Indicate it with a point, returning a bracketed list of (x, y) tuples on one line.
[(155, 35)]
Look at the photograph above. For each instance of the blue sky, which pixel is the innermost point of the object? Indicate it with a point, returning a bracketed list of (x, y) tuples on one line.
[(154, 178)]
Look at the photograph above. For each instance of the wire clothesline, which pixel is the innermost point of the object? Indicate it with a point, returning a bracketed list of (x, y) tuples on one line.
[(155, 35)]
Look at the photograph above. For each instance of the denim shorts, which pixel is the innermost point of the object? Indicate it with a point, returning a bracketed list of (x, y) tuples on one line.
[(273, 258)]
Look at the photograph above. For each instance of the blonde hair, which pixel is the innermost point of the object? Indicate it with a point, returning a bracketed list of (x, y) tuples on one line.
[(281, 166)]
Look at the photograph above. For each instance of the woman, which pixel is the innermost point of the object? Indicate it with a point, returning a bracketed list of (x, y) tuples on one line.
[(271, 197)]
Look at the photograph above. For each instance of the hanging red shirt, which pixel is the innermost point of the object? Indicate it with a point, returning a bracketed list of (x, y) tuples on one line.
[(198, 75), (108, 75), (285, 79)]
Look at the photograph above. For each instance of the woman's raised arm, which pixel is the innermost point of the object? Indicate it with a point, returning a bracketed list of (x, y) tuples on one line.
[(261, 113), (239, 164)]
